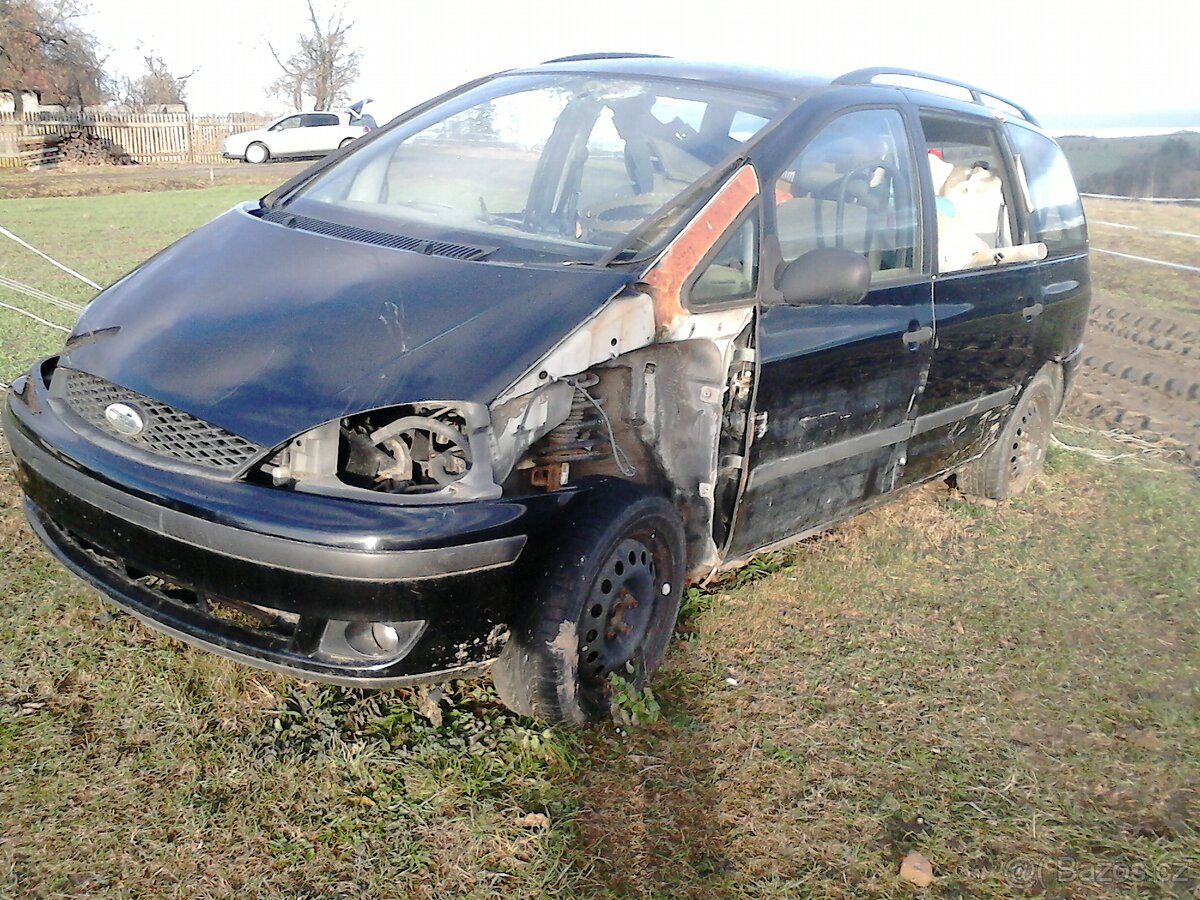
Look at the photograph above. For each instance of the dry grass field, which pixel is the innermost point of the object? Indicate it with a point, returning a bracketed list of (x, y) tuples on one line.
[(1012, 690), (1141, 372)]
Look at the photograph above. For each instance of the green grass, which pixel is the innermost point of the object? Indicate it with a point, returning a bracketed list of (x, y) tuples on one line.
[(1012, 690)]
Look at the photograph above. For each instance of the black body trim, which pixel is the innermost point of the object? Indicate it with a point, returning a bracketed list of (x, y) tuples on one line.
[(830, 453), (884, 437), (933, 420), (265, 549), (240, 645)]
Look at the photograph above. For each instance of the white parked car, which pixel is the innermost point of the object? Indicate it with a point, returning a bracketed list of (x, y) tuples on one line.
[(298, 134)]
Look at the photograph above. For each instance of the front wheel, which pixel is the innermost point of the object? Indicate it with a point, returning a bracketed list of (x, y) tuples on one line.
[(605, 603), (257, 153), (1020, 451)]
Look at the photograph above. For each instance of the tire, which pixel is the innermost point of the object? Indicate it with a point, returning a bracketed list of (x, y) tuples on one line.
[(257, 153), (346, 143), (1019, 453), (620, 544)]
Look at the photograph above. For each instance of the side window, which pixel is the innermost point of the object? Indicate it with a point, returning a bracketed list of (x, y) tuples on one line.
[(289, 122), (851, 187), (318, 120), (733, 272), (1055, 210), (744, 125), (974, 202)]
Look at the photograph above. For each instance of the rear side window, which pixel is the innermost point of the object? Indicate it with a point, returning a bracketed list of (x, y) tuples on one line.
[(317, 120), (974, 199), (1055, 210)]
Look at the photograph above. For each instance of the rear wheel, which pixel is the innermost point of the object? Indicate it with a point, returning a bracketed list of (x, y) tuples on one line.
[(257, 153), (1020, 451), (605, 603), (346, 143)]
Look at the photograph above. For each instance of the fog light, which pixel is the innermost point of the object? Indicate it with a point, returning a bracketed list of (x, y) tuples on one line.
[(372, 638), (374, 641)]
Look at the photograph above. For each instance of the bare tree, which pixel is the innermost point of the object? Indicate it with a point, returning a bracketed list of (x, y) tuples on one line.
[(322, 66), (156, 88), (42, 48)]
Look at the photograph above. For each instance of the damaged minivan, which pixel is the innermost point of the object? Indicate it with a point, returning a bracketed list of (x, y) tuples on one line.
[(491, 386)]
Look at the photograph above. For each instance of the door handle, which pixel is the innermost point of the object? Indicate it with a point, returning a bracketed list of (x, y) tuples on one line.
[(1031, 312), (914, 339)]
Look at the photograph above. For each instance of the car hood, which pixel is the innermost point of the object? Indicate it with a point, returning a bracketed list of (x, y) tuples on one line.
[(267, 331)]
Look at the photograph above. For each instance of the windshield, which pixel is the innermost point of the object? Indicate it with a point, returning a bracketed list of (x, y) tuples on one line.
[(543, 167)]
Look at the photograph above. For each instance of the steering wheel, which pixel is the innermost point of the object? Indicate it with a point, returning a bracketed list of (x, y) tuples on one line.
[(621, 215), (867, 173)]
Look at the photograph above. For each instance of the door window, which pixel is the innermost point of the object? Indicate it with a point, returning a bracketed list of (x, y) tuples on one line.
[(974, 202), (319, 120), (1056, 212), (851, 187), (288, 123)]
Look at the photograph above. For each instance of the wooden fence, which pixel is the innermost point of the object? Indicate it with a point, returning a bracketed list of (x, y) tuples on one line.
[(147, 137)]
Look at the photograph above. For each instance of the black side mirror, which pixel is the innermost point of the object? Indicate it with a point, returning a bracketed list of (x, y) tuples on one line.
[(826, 275)]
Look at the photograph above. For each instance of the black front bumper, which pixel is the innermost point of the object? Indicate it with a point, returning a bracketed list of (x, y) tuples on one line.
[(258, 583)]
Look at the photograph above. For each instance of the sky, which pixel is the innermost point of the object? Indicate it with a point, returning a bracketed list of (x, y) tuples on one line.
[(1076, 65)]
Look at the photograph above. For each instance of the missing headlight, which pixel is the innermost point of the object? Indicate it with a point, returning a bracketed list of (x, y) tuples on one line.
[(432, 452), (424, 449)]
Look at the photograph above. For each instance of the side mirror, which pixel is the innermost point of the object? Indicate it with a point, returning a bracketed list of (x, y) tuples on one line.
[(826, 275)]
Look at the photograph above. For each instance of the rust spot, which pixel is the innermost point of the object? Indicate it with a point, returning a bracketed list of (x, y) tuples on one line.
[(668, 276)]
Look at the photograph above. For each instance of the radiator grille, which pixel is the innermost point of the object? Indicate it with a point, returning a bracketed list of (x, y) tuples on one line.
[(167, 432)]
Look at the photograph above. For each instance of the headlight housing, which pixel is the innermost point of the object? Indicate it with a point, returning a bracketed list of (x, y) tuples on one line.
[(430, 452)]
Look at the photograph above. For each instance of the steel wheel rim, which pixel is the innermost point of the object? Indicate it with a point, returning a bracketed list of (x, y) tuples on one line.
[(619, 614), (1029, 442)]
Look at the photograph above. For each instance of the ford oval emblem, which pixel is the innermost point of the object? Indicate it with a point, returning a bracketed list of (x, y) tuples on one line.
[(125, 419)]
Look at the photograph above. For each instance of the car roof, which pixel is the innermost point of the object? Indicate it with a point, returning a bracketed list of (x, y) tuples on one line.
[(778, 82), (782, 83)]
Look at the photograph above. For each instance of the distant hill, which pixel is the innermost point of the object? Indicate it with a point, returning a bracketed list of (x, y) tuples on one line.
[(1147, 166)]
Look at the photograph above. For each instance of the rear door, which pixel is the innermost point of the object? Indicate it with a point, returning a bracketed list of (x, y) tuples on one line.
[(985, 313), (836, 383), (321, 133), (1056, 219)]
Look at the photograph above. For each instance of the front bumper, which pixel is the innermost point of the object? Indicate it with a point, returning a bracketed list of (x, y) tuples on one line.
[(232, 567)]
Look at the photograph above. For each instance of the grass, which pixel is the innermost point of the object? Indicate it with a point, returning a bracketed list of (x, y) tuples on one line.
[(95, 180), (1011, 690), (1159, 216), (1139, 283)]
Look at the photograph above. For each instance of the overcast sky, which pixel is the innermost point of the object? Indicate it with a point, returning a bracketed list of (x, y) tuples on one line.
[(1073, 62)]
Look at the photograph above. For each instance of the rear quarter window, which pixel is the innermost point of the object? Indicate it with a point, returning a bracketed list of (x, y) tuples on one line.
[(319, 120), (1056, 212)]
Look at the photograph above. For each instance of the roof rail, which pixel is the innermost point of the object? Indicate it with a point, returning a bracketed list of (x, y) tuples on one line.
[(867, 76), (584, 57)]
